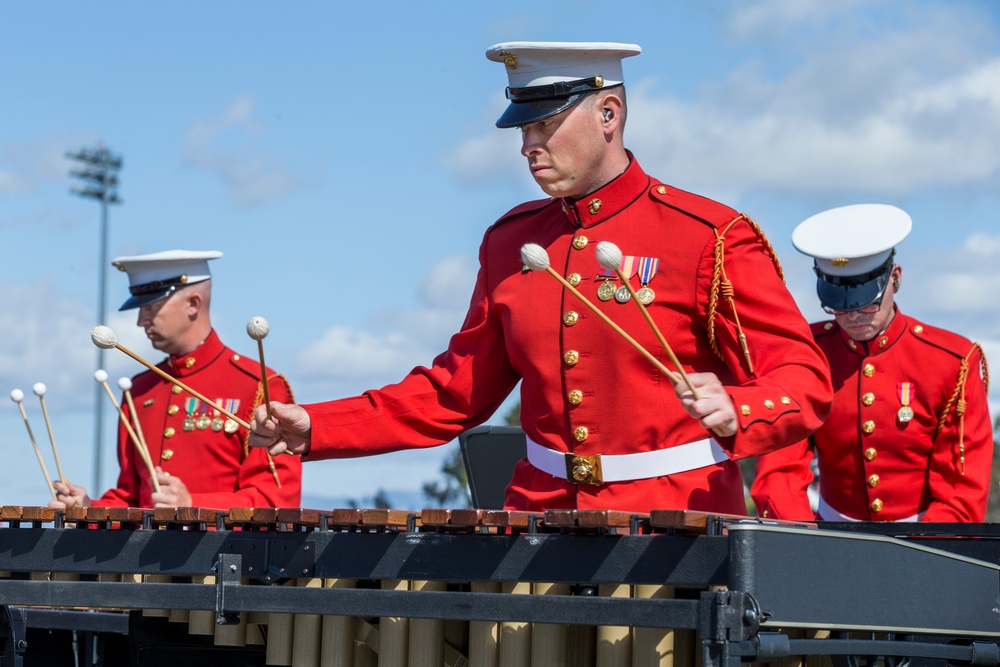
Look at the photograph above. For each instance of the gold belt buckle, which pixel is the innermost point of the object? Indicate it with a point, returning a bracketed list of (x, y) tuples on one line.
[(584, 469)]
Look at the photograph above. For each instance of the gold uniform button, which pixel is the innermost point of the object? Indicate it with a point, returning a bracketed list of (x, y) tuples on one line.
[(580, 242), (661, 190), (169, 432), (175, 390), (574, 396), (571, 357), (883, 341), (918, 329), (769, 404), (785, 400), (580, 433), (873, 481), (189, 362), (745, 410), (167, 454), (868, 427), (828, 326), (876, 505), (570, 318), (868, 399), (236, 357), (870, 454), (172, 410), (594, 205), (851, 344), (574, 279), (868, 370)]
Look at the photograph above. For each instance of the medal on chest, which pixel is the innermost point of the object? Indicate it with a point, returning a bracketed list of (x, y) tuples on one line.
[(646, 270), (190, 407), (905, 392)]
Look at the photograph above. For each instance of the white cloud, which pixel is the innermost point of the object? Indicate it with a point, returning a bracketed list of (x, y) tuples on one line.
[(12, 184), (983, 245), (49, 341), (229, 146), (350, 359), (32, 162)]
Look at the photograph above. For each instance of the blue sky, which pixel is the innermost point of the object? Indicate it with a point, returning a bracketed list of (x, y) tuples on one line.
[(344, 158)]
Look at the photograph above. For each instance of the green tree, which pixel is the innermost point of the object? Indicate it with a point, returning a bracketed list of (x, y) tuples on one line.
[(380, 501), (453, 489)]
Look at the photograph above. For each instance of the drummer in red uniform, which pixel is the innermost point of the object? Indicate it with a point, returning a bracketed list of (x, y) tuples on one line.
[(201, 456), (910, 436), (605, 428)]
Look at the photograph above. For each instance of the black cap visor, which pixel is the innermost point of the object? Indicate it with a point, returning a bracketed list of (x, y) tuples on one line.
[(848, 293), (523, 113), (140, 300)]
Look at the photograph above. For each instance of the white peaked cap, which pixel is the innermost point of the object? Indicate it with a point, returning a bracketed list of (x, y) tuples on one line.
[(155, 276), (852, 240)]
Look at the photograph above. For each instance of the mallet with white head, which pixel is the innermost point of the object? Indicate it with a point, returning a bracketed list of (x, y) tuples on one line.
[(40, 390), (609, 256), (102, 379), (125, 384), (536, 259), (258, 328), (17, 396)]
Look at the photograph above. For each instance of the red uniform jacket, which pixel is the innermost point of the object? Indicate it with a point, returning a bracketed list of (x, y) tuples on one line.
[(525, 326), (874, 466), (187, 439)]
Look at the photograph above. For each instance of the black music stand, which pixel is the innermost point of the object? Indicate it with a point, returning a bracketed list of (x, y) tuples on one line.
[(490, 454)]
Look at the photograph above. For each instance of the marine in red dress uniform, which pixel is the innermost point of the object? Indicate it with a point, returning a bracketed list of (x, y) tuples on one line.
[(187, 438), (716, 293), (202, 456), (909, 437)]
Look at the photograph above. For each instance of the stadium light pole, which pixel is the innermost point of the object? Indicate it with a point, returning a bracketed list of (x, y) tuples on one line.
[(99, 176)]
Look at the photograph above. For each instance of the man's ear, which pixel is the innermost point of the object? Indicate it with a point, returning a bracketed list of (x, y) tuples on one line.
[(193, 302)]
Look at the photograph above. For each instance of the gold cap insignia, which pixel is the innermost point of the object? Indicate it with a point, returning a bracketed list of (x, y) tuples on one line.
[(509, 59), (839, 261)]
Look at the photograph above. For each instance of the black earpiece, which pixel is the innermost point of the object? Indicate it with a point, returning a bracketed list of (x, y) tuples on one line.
[(608, 115)]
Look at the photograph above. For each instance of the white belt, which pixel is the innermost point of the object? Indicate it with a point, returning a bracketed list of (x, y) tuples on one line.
[(827, 513), (601, 468)]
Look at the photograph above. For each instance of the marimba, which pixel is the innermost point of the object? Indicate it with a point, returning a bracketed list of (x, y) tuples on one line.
[(480, 587)]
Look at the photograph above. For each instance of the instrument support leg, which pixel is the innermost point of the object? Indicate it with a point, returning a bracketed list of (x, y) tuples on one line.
[(13, 632)]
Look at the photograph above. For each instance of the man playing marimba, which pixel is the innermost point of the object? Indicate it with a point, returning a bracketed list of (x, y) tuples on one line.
[(605, 428), (201, 457), (910, 436)]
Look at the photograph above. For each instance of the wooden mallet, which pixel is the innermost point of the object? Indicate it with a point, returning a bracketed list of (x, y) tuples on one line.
[(536, 258), (102, 379), (609, 256), (40, 390), (17, 396), (258, 328)]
